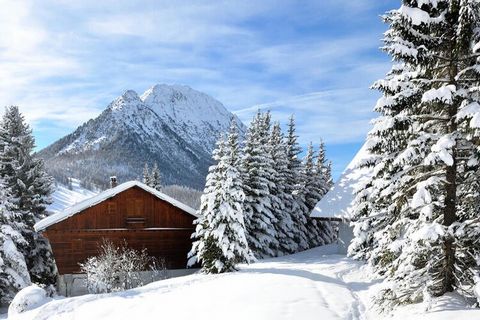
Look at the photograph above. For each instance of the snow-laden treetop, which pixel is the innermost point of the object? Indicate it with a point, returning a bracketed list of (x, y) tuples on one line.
[(338, 202)]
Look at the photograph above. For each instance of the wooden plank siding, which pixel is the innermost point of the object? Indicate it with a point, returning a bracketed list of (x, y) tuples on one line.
[(134, 215)]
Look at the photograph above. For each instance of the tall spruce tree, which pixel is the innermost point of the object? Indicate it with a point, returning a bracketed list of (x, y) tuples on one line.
[(294, 186), (284, 226), (257, 173), (323, 167), (155, 178), (316, 184), (221, 233), (146, 175), (412, 222), (30, 188), (304, 194), (14, 274), (324, 181)]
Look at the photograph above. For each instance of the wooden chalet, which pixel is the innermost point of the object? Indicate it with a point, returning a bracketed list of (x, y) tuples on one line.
[(132, 211)]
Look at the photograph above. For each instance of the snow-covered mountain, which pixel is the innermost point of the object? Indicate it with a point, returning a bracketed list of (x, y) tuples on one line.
[(172, 125)]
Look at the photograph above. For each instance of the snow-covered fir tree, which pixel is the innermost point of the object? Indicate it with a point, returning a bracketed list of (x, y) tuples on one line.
[(155, 178), (281, 199), (152, 178), (375, 210), (146, 175), (417, 216), (294, 186), (14, 273), (323, 170), (257, 174), (220, 233), (301, 195), (29, 188), (316, 183)]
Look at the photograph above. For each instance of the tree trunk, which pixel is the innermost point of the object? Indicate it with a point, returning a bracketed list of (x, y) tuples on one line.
[(450, 217), (450, 213)]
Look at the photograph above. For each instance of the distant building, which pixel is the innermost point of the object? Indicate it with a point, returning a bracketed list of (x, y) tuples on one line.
[(337, 204)]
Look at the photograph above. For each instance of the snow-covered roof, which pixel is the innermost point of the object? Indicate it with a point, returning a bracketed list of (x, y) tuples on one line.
[(338, 202), (70, 211)]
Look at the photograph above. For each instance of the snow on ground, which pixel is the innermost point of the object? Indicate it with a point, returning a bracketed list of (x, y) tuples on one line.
[(315, 284), (63, 197), (28, 298)]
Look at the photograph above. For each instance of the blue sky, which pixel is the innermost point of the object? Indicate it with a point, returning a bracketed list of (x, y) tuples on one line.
[(62, 62)]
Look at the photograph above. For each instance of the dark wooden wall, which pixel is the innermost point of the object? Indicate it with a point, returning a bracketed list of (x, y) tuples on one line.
[(134, 215)]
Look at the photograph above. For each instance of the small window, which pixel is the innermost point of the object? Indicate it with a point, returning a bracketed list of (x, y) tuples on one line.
[(111, 207)]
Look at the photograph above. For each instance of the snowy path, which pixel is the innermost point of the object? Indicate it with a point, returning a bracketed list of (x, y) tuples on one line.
[(314, 284)]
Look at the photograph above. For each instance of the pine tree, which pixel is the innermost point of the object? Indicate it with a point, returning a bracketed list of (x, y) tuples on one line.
[(155, 178), (14, 274), (316, 184), (303, 191), (29, 187), (146, 175), (221, 233), (285, 228), (293, 185), (257, 172), (324, 181), (323, 167), (412, 223)]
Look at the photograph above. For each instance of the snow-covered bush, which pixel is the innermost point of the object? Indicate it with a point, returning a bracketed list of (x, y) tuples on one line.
[(118, 268), (28, 298)]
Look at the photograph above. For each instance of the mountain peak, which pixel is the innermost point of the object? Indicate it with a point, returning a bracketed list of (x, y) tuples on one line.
[(127, 98), (173, 125), (196, 108), (130, 95), (165, 92)]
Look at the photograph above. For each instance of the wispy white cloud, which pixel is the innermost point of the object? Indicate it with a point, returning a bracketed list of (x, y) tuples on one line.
[(64, 61), (336, 116)]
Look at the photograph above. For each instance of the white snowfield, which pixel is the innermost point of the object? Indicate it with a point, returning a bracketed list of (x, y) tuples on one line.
[(63, 197), (315, 284)]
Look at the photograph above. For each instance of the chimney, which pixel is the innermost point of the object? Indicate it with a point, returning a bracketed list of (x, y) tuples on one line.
[(113, 181)]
